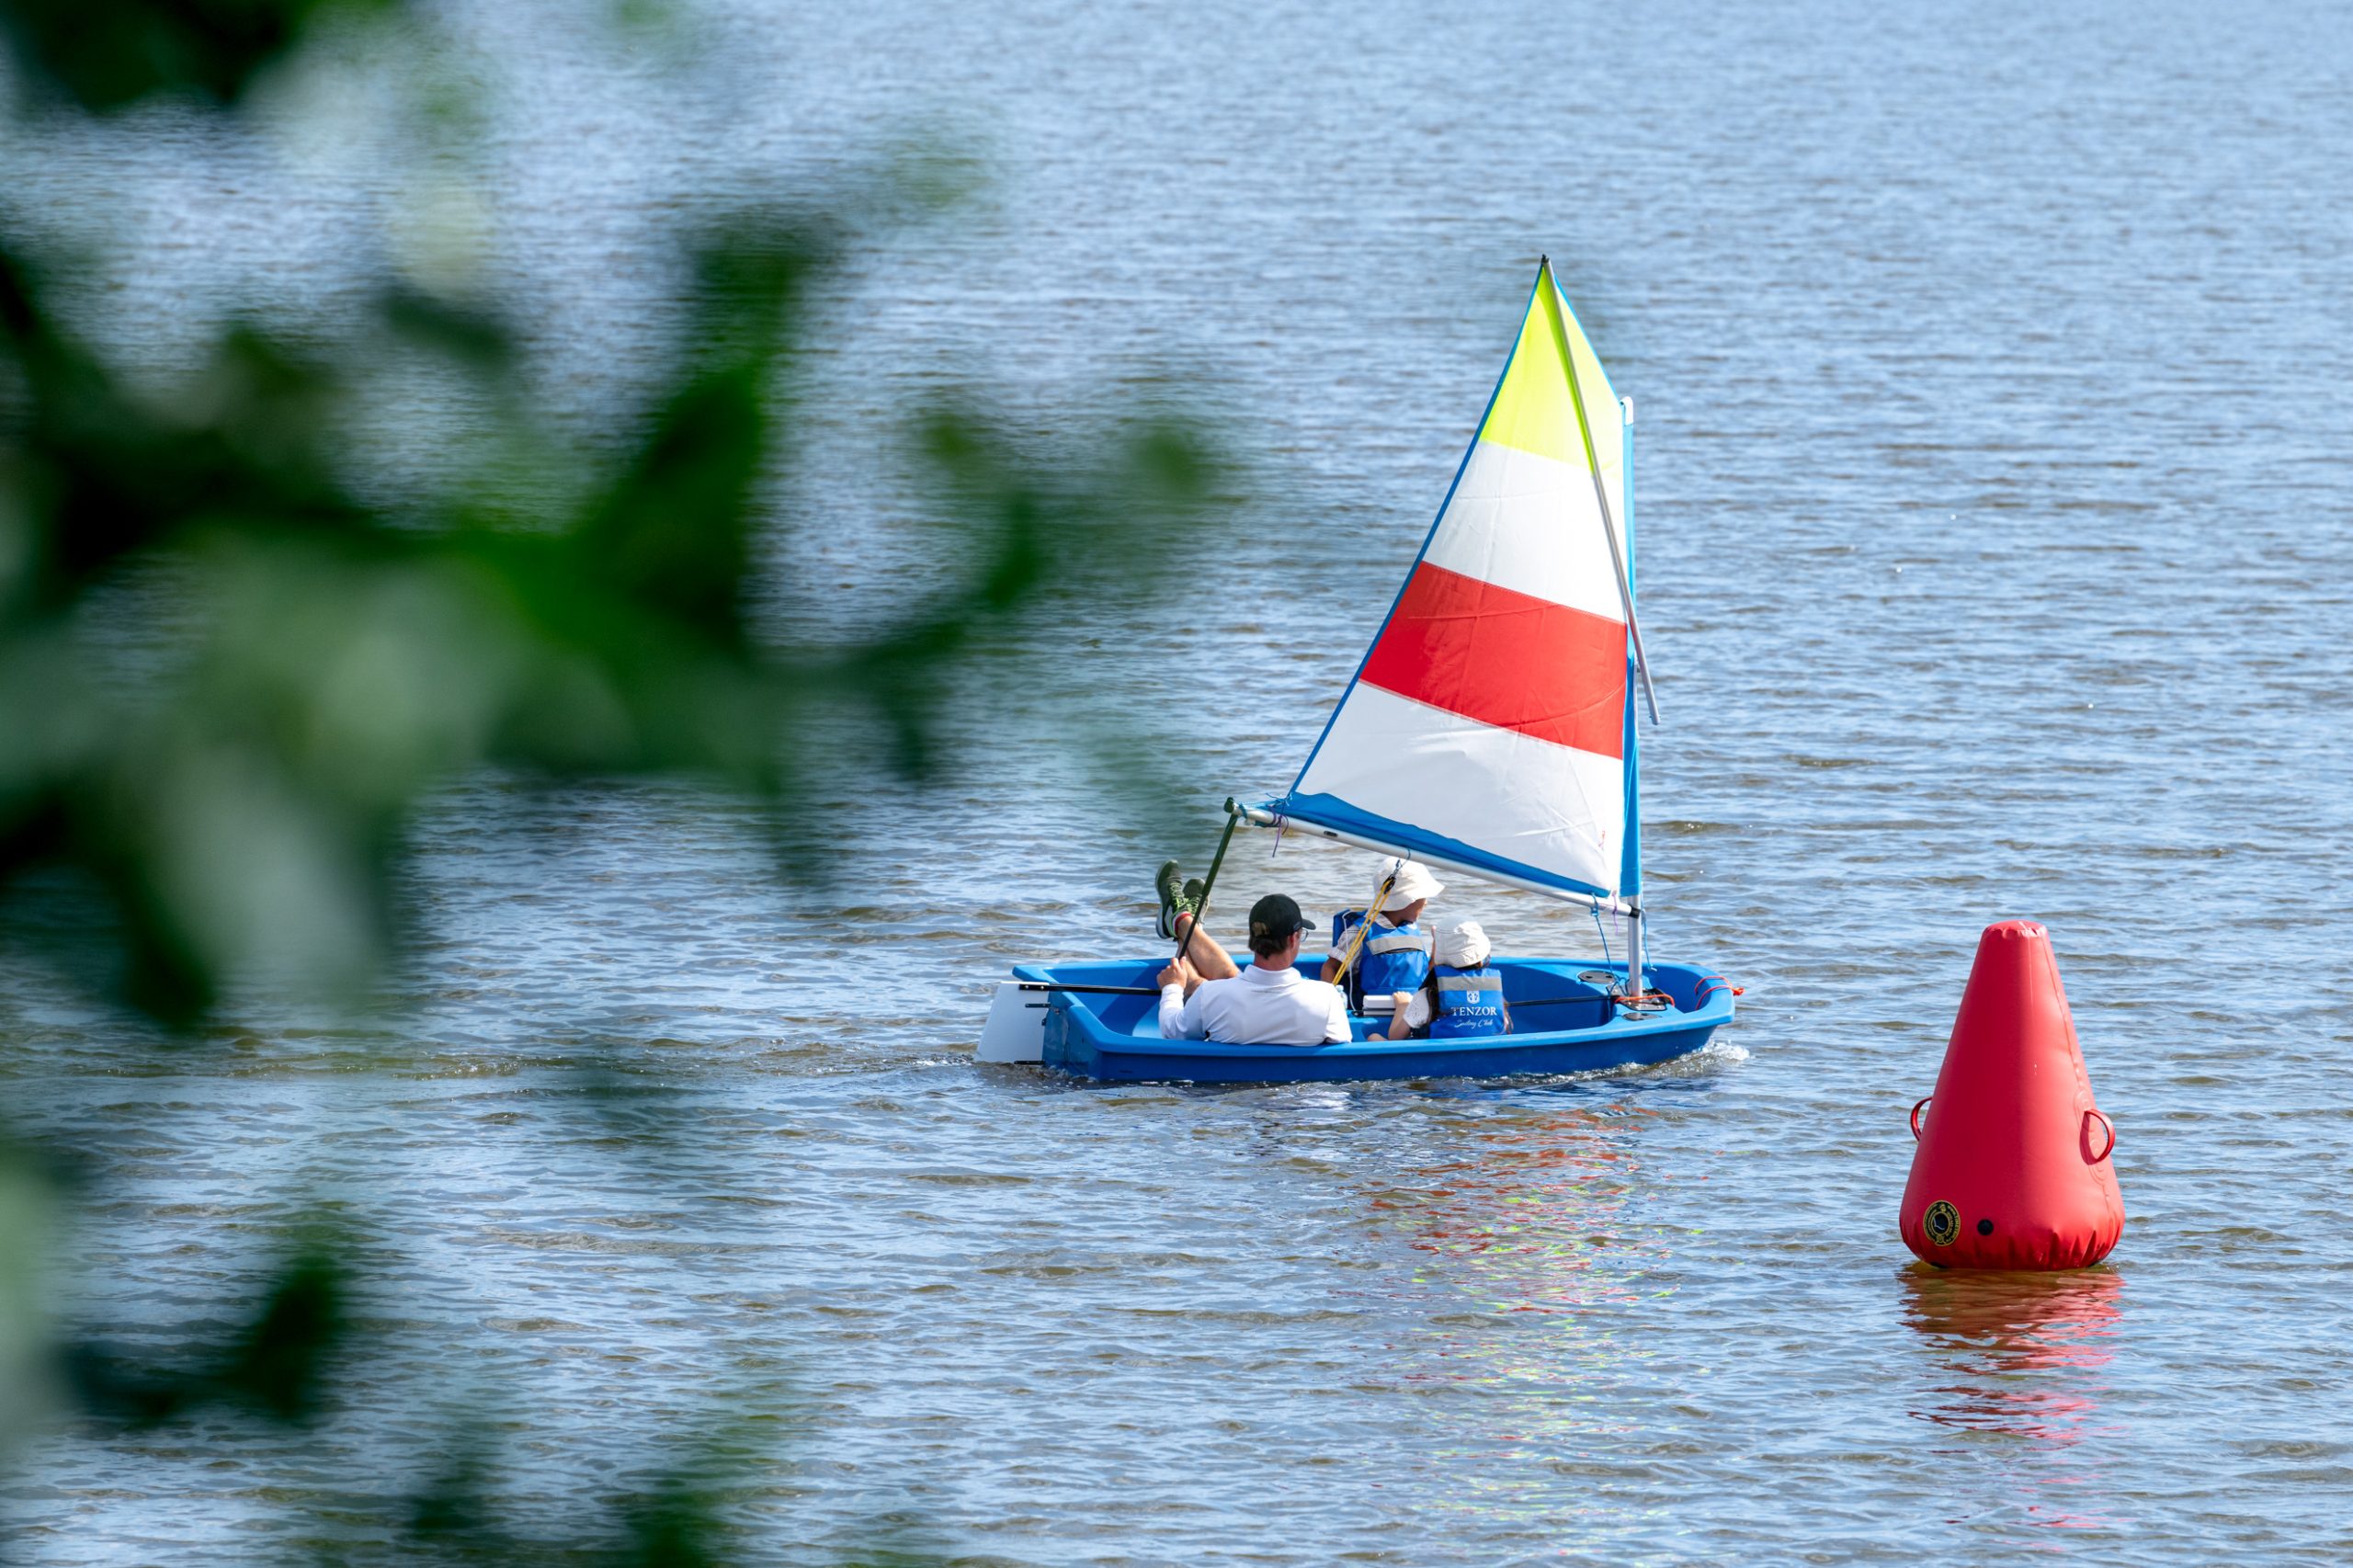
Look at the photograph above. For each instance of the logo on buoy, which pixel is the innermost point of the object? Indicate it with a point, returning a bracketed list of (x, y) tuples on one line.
[(1942, 1221)]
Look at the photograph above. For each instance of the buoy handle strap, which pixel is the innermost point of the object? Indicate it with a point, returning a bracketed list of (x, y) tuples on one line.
[(1916, 1117), (2104, 1154)]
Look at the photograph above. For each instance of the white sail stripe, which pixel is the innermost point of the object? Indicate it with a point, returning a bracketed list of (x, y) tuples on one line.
[(1529, 524), (1534, 803)]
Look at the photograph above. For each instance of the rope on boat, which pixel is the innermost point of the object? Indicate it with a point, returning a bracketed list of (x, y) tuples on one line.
[(1350, 978)]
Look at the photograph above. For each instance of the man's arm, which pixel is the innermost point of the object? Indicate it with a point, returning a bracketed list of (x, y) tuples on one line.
[(1336, 1021), (1180, 1015)]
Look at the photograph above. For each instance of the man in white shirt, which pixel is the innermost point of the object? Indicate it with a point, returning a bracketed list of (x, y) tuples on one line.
[(1204, 997)]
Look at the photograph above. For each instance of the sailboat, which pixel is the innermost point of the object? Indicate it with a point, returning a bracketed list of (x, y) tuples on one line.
[(1488, 730)]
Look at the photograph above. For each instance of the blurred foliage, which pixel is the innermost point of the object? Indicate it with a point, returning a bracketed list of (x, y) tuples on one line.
[(278, 1366), (241, 798), (229, 670), (459, 1517), (111, 54), (676, 1520)]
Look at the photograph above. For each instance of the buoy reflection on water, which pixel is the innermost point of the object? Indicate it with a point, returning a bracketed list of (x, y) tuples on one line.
[(2020, 1362)]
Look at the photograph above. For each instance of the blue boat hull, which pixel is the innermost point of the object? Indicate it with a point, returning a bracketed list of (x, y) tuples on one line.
[(1576, 1028)]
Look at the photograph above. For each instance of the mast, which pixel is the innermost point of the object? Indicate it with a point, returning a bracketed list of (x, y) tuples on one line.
[(1630, 860), (1630, 871), (1630, 882)]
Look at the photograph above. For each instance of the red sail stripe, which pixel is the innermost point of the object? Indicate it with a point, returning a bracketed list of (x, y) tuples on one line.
[(1507, 659)]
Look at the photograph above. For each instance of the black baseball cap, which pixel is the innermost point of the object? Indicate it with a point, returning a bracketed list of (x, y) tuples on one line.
[(1276, 915)]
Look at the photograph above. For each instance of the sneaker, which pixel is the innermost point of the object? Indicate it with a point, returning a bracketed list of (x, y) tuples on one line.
[(1164, 883), (1195, 891)]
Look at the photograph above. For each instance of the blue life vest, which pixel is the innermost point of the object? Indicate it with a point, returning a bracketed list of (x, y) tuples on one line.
[(1470, 1003), (1393, 958)]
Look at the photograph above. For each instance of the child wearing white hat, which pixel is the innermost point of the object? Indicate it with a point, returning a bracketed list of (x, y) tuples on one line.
[(1393, 952), (1462, 997)]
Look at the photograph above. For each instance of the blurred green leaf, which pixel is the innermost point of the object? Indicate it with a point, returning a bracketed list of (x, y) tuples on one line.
[(107, 54), (278, 1367)]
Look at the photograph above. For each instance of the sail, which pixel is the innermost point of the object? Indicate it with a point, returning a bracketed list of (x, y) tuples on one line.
[(1490, 723)]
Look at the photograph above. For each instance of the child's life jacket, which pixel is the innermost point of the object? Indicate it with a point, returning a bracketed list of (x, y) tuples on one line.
[(1470, 1003), (1394, 957)]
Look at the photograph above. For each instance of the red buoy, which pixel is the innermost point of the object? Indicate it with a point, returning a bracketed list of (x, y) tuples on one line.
[(2012, 1169)]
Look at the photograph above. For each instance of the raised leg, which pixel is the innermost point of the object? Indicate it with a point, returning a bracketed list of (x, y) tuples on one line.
[(1206, 956)]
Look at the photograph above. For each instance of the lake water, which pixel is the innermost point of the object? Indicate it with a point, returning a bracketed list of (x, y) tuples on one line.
[(1993, 390)]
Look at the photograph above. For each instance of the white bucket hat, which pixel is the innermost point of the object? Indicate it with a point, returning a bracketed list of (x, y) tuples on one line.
[(1462, 946), (1414, 881)]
